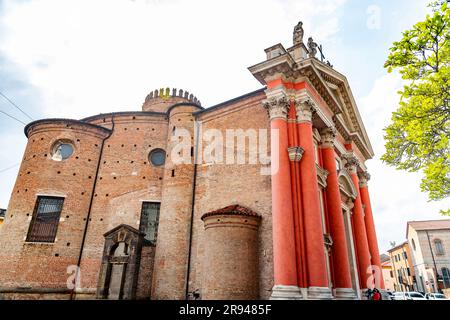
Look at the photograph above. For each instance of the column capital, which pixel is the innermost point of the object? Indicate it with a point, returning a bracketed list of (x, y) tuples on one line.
[(305, 109), (364, 177), (352, 162), (296, 153), (277, 107), (328, 136)]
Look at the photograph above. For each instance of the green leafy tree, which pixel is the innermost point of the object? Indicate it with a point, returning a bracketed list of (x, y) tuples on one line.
[(418, 138)]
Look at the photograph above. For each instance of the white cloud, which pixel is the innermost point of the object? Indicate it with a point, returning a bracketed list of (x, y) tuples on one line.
[(92, 56), (395, 195), (87, 57)]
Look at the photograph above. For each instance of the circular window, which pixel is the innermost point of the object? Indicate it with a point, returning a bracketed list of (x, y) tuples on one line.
[(157, 157), (62, 151)]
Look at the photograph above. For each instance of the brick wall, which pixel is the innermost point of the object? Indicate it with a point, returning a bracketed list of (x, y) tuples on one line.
[(126, 179), (221, 185), (44, 265), (231, 258)]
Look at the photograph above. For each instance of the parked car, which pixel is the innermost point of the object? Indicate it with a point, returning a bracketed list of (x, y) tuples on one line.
[(412, 295), (435, 296)]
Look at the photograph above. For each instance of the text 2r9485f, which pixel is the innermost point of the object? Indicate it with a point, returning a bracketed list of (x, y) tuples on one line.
[(231, 309)]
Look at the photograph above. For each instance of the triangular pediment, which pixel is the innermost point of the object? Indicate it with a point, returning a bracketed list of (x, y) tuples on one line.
[(337, 86), (122, 228)]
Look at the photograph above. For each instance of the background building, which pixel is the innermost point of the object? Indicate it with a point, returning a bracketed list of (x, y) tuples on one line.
[(430, 248), (400, 258), (388, 273), (2, 216), (104, 207)]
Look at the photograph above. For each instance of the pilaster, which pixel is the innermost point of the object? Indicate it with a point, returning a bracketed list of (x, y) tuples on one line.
[(284, 251)]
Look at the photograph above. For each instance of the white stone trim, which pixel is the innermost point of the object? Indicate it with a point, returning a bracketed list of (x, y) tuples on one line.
[(51, 195), (319, 293), (282, 292), (345, 294), (353, 194), (340, 147), (304, 95)]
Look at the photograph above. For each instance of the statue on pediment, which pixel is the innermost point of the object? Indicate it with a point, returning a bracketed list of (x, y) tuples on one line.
[(298, 33), (312, 48)]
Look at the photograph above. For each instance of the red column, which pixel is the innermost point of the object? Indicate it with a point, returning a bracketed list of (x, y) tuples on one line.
[(370, 228), (315, 249), (359, 227), (341, 263), (285, 269)]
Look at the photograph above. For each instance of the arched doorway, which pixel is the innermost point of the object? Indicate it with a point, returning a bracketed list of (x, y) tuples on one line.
[(120, 263)]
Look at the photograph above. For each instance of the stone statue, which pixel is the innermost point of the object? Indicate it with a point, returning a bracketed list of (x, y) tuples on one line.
[(312, 47), (298, 33)]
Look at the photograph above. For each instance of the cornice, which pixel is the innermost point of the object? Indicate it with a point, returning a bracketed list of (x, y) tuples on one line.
[(341, 83), (318, 75), (65, 124)]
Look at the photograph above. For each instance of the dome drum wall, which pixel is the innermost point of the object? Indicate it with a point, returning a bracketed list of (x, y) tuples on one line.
[(231, 257), (176, 206), (45, 264), (126, 180)]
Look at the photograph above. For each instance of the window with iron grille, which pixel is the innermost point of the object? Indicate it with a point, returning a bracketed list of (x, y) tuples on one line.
[(149, 221), (44, 222)]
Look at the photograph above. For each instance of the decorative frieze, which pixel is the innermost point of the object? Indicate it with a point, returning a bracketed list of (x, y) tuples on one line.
[(352, 162), (305, 109), (295, 153), (277, 107), (364, 177), (328, 136)]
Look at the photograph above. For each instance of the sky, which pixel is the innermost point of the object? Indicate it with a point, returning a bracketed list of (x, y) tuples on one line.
[(73, 59)]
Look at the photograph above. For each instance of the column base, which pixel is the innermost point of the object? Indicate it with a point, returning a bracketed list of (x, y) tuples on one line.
[(385, 295), (282, 292), (345, 294), (364, 294), (319, 293)]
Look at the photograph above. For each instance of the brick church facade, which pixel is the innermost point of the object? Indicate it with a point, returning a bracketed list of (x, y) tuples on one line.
[(103, 207)]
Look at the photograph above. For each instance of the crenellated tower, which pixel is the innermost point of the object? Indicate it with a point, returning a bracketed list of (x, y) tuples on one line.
[(160, 100)]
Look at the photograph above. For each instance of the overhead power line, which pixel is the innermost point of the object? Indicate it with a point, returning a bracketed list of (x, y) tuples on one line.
[(15, 105), (9, 168), (12, 117)]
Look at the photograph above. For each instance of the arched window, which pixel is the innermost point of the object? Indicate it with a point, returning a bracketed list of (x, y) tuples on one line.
[(413, 243), (439, 247)]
